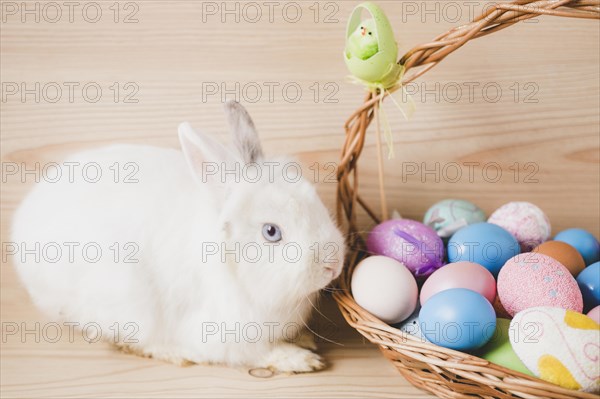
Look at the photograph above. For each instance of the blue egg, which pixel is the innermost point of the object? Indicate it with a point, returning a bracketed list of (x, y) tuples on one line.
[(583, 241), (589, 284), (458, 318), (411, 325), (485, 243)]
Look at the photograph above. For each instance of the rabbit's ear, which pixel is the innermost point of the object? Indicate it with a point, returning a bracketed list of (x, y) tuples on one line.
[(243, 132), (204, 155)]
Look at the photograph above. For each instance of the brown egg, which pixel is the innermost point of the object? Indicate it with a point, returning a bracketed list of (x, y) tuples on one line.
[(500, 311), (564, 253)]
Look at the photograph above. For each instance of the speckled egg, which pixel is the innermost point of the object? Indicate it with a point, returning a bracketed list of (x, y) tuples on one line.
[(566, 254), (532, 279), (449, 215), (412, 243), (559, 346), (528, 223), (411, 326)]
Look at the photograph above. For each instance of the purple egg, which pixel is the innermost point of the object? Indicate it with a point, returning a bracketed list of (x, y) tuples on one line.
[(414, 244)]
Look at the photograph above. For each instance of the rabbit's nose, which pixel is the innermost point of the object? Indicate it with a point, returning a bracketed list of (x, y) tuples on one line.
[(363, 31)]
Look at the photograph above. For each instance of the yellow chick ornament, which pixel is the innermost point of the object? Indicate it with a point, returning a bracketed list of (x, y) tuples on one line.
[(371, 51), (363, 43)]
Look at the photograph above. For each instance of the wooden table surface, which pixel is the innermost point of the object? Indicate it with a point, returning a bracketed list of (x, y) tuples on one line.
[(516, 114)]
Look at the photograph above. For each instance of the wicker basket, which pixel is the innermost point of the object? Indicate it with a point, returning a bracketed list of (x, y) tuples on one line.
[(445, 373)]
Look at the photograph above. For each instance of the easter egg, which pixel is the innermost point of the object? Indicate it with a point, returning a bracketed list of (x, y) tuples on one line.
[(449, 215), (458, 318), (566, 254), (525, 221), (411, 325), (460, 275), (532, 279), (412, 243), (583, 241), (594, 314), (500, 311), (499, 350), (589, 284), (385, 288), (484, 243), (559, 346)]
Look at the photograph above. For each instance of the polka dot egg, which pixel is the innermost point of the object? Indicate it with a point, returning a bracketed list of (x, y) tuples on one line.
[(532, 279)]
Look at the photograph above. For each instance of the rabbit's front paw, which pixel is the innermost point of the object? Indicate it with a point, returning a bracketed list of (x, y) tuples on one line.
[(290, 358), (305, 340), (156, 353)]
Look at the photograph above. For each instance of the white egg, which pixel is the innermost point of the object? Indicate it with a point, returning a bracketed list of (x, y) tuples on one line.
[(385, 287)]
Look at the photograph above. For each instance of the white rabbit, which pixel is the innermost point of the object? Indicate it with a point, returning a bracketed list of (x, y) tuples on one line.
[(194, 267)]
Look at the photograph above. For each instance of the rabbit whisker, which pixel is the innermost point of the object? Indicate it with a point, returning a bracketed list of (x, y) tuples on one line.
[(319, 312), (317, 335)]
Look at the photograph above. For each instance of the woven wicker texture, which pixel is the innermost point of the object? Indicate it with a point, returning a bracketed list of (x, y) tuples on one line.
[(443, 372)]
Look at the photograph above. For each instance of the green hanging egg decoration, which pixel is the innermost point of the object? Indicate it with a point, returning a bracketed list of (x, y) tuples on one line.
[(371, 51), (371, 55)]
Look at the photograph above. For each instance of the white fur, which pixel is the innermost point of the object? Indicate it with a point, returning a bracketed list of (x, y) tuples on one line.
[(174, 293)]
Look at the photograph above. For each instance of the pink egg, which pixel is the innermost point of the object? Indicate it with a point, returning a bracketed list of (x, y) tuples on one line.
[(533, 279), (460, 275), (528, 223), (594, 314)]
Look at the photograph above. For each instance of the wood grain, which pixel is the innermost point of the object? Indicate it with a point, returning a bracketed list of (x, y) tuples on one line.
[(546, 120), (31, 367)]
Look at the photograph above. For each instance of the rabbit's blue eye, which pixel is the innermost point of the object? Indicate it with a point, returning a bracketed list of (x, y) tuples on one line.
[(271, 232)]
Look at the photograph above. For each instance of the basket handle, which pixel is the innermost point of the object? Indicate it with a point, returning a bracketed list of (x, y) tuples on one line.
[(427, 56)]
